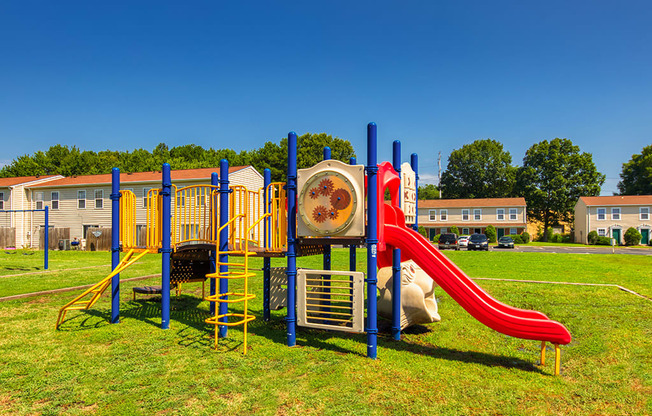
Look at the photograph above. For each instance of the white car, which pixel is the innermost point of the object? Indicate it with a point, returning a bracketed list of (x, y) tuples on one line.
[(463, 241)]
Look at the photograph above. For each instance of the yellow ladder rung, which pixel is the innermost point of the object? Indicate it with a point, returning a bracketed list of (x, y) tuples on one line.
[(214, 320), (322, 312), (329, 319)]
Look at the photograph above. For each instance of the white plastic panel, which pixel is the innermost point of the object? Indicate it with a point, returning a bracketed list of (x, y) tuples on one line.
[(332, 300)]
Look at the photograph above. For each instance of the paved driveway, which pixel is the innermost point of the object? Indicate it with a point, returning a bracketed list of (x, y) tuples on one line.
[(577, 250)]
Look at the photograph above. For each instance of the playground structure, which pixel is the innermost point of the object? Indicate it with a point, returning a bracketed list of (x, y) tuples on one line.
[(201, 229)]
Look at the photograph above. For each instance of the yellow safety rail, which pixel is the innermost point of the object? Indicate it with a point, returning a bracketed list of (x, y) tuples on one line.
[(154, 219), (128, 234), (276, 222), (97, 289), (251, 204), (196, 214)]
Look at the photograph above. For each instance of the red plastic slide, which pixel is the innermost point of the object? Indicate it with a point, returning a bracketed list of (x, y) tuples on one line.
[(503, 318)]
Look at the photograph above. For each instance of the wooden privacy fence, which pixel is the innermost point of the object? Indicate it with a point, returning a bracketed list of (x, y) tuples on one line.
[(7, 237), (54, 236), (98, 239)]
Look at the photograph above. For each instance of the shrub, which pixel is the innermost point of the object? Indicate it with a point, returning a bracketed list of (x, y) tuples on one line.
[(566, 238), (632, 237), (435, 239), (525, 237), (603, 241), (422, 231), (539, 236), (592, 237), (517, 238), (490, 232), (549, 235), (455, 230)]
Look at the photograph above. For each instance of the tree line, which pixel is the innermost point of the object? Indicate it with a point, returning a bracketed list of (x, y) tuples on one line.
[(71, 161)]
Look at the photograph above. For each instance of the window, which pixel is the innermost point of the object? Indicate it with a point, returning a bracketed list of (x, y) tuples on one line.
[(2, 200), (477, 215), (512, 214), (54, 198), (432, 215), (465, 215), (99, 198), (145, 192), (602, 232), (465, 231), (602, 214), (39, 200), (444, 230), (615, 213), (443, 215), (81, 199), (513, 231), (644, 213), (500, 214)]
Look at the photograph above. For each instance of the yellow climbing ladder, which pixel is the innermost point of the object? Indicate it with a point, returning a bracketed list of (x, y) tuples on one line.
[(97, 289), (238, 226)]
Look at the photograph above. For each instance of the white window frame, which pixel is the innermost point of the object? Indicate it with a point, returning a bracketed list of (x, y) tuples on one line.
[(477, 214), (443, 215), (100, 199), (432, 215), (513, 214), (2, 200), (604, 214), (80, 199), (646, 213), (603, 231), (38, 199), (54, 201), (466, 212), (465, 231), (616, 215), (145, 192), (500, 214), (513, 231), (443, 230)]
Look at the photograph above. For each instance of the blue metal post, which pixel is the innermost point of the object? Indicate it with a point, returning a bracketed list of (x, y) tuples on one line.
[(372, 240), (352, 248), (414, 162), (115, 244), (396, 260), (267, 262), (224, 241), (47, 238), (166, 214), (291, 254), (213, 253), (327, 248)]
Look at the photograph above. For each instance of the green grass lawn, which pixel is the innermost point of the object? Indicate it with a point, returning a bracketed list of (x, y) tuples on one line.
[(456, 366)]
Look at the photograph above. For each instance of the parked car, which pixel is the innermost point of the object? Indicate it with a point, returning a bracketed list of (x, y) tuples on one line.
[(505, 242), (463, 241), (448, 240), (478, 242)]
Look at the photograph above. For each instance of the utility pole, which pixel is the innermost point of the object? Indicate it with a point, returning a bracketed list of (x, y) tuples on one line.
[(439, 174)]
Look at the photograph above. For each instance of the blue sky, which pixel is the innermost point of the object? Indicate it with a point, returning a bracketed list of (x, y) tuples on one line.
[(434, 74)]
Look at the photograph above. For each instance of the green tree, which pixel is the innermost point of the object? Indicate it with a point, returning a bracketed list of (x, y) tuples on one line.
[(428, 191), (490, 232), (636, 176), (455, 230), (553, 176), (481, 169)]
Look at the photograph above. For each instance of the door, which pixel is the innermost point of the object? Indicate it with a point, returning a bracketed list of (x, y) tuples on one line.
[(431, 233), (645, 235), (615, 233), (501, 232)]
